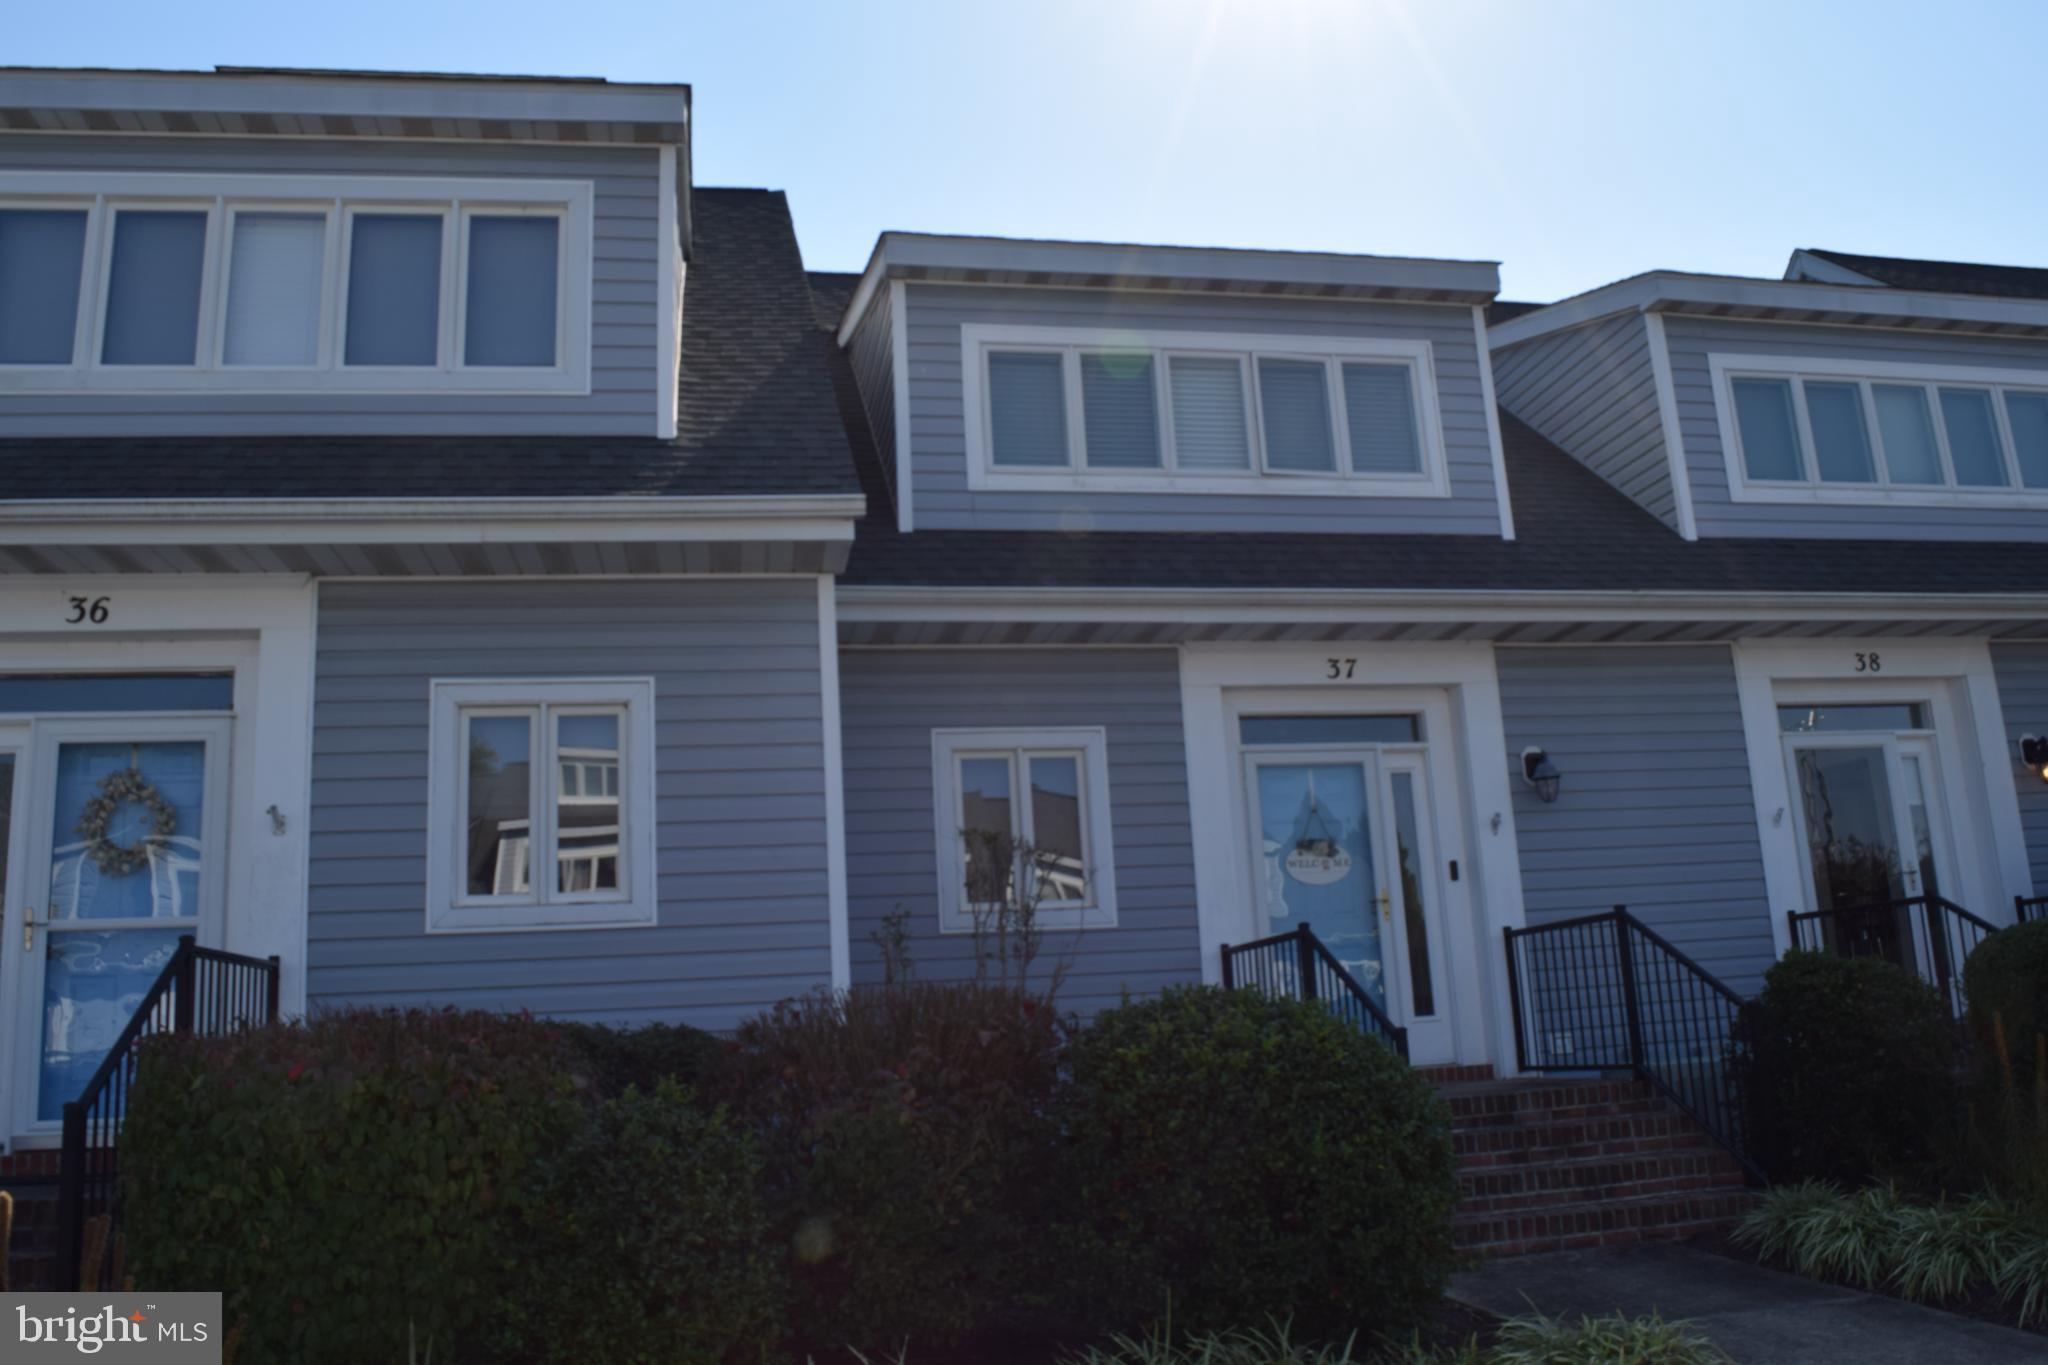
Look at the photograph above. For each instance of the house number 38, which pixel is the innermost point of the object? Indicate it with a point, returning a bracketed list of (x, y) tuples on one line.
[(88, 610), (1869, 663)]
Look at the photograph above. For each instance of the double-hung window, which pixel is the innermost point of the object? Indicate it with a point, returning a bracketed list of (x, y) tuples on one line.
[(1806, 430), (1060, 408), (148, 282), (541, 805), (1023, 818)]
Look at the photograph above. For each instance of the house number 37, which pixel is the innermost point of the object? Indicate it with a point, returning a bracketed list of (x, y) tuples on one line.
[(88, 610), (1340, 668), (1869, 663)]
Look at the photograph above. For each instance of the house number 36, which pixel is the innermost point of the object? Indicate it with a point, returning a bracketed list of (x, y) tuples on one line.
[(84, 610), (1869, 663)]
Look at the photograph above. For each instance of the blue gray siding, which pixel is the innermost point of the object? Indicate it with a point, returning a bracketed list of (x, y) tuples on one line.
[(2023, 696), (937, 428), (624, 315), (872, 352), (1591, 390), (1692, 340), (1656, 810), (891, 701), (740, 788)]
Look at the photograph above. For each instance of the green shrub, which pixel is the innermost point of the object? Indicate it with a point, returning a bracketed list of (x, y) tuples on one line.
[(1598, 1341), (348, 1181), (1240, 1158), (907, 1138), (641, 1058), (2006, 982), (655, 1231), (1847, 1068)]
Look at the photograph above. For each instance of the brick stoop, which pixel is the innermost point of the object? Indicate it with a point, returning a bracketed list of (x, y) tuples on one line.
[(32, 1251), (1554, 1165)]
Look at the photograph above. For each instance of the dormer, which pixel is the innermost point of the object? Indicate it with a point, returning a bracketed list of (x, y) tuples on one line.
[(1805, 407), (266, 252), (1065, 386)]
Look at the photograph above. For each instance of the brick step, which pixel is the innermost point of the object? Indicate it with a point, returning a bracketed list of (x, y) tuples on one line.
[(1477, 1112), (1565, 1227), (1571, 1139), (1441, 1076), (32, 1251), (1647, 1187), (1566, 1179)]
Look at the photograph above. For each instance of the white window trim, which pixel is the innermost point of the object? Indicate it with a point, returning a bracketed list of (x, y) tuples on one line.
[(983, 475), (340, 197), (1725, 368), (1090, 744), (450, 909)]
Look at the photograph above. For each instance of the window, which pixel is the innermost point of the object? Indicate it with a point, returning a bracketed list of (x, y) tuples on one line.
[(1873, 433), (1000, 795), (540, 802), (289, 283), (1082, 409)]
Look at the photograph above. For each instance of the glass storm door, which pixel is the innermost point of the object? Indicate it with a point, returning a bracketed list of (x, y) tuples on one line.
[(128, 824), (1338, 843)]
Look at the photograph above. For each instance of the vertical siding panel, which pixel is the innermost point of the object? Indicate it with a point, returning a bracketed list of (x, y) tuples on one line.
[(891, 701), (740, 823), (1656, 810), (872, 353)]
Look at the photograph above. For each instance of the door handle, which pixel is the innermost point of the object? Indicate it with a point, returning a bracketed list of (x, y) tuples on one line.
[(28, 929), (1386, 906)]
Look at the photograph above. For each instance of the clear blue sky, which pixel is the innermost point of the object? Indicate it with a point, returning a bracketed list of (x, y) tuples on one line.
[(1575, 142)]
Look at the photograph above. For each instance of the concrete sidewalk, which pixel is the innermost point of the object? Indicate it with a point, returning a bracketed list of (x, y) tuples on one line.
[(1758, 1316)]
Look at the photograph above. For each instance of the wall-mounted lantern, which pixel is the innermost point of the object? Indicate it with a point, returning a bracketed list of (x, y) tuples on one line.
[(2034, 753), (1539, 772)]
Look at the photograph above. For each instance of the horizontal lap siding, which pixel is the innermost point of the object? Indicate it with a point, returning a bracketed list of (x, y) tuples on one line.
[(937, 427), (1655, 811), (891, 701), (2023, 696), (740, 796), (623, 285), (1692, 340), (872, 351), (1591, 391)]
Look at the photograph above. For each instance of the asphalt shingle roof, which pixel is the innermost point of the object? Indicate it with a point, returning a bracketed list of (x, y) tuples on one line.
[(1945, 277), (757, 413)]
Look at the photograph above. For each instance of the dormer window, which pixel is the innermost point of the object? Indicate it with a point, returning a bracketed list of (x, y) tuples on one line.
[(1820, 430), (166, 282), (1108, 411)]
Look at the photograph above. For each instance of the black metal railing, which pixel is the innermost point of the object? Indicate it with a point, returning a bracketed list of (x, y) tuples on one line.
[(1607, 993), (1296, 965), (2026, 908), (200, 990), (1927, 935)]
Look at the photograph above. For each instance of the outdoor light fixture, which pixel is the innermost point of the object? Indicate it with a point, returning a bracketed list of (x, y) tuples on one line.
[(2034, 753), (1539, 772)]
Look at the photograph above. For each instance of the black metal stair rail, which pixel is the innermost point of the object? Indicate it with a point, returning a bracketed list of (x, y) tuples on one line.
[(200, 990), (1297, 966), (2026, 908), (1928, 935), (1605, 992)]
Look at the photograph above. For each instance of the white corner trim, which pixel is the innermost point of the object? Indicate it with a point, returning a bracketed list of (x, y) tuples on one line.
[(837, 909), (1493, 441), (899, 418), (871, 277), (668, 292), (1667, 417)]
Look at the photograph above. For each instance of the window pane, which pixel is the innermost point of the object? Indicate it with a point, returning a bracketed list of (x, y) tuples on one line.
[(1907, 430), (1408, 853), (986, 827), (1056, 827), (1770, 441), (153, 289), (587, 815), (1208, 414), (1379, 414), (1840, 444), (1973, 445), (509, 317), (1120, 411), (394, 289), (274, 289), (1308, 730), (2027, 414), (1801, 720), (1028, 408), (1294, 403), (500, 810), (42, 255)]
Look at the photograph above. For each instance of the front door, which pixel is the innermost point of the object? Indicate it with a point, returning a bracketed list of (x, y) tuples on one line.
[(126, 827), (1341, 843)]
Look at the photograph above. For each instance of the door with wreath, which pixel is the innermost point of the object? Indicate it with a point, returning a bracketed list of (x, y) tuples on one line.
[(126, 837)]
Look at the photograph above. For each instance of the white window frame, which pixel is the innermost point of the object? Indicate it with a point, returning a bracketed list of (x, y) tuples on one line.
[(457, 200), (451, 909), (1724, 369), (977, 340), (1090, 746)]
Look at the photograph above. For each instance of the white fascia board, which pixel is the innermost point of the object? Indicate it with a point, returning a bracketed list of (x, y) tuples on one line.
[(1671, 291), (347, 96), (1214, 606)]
